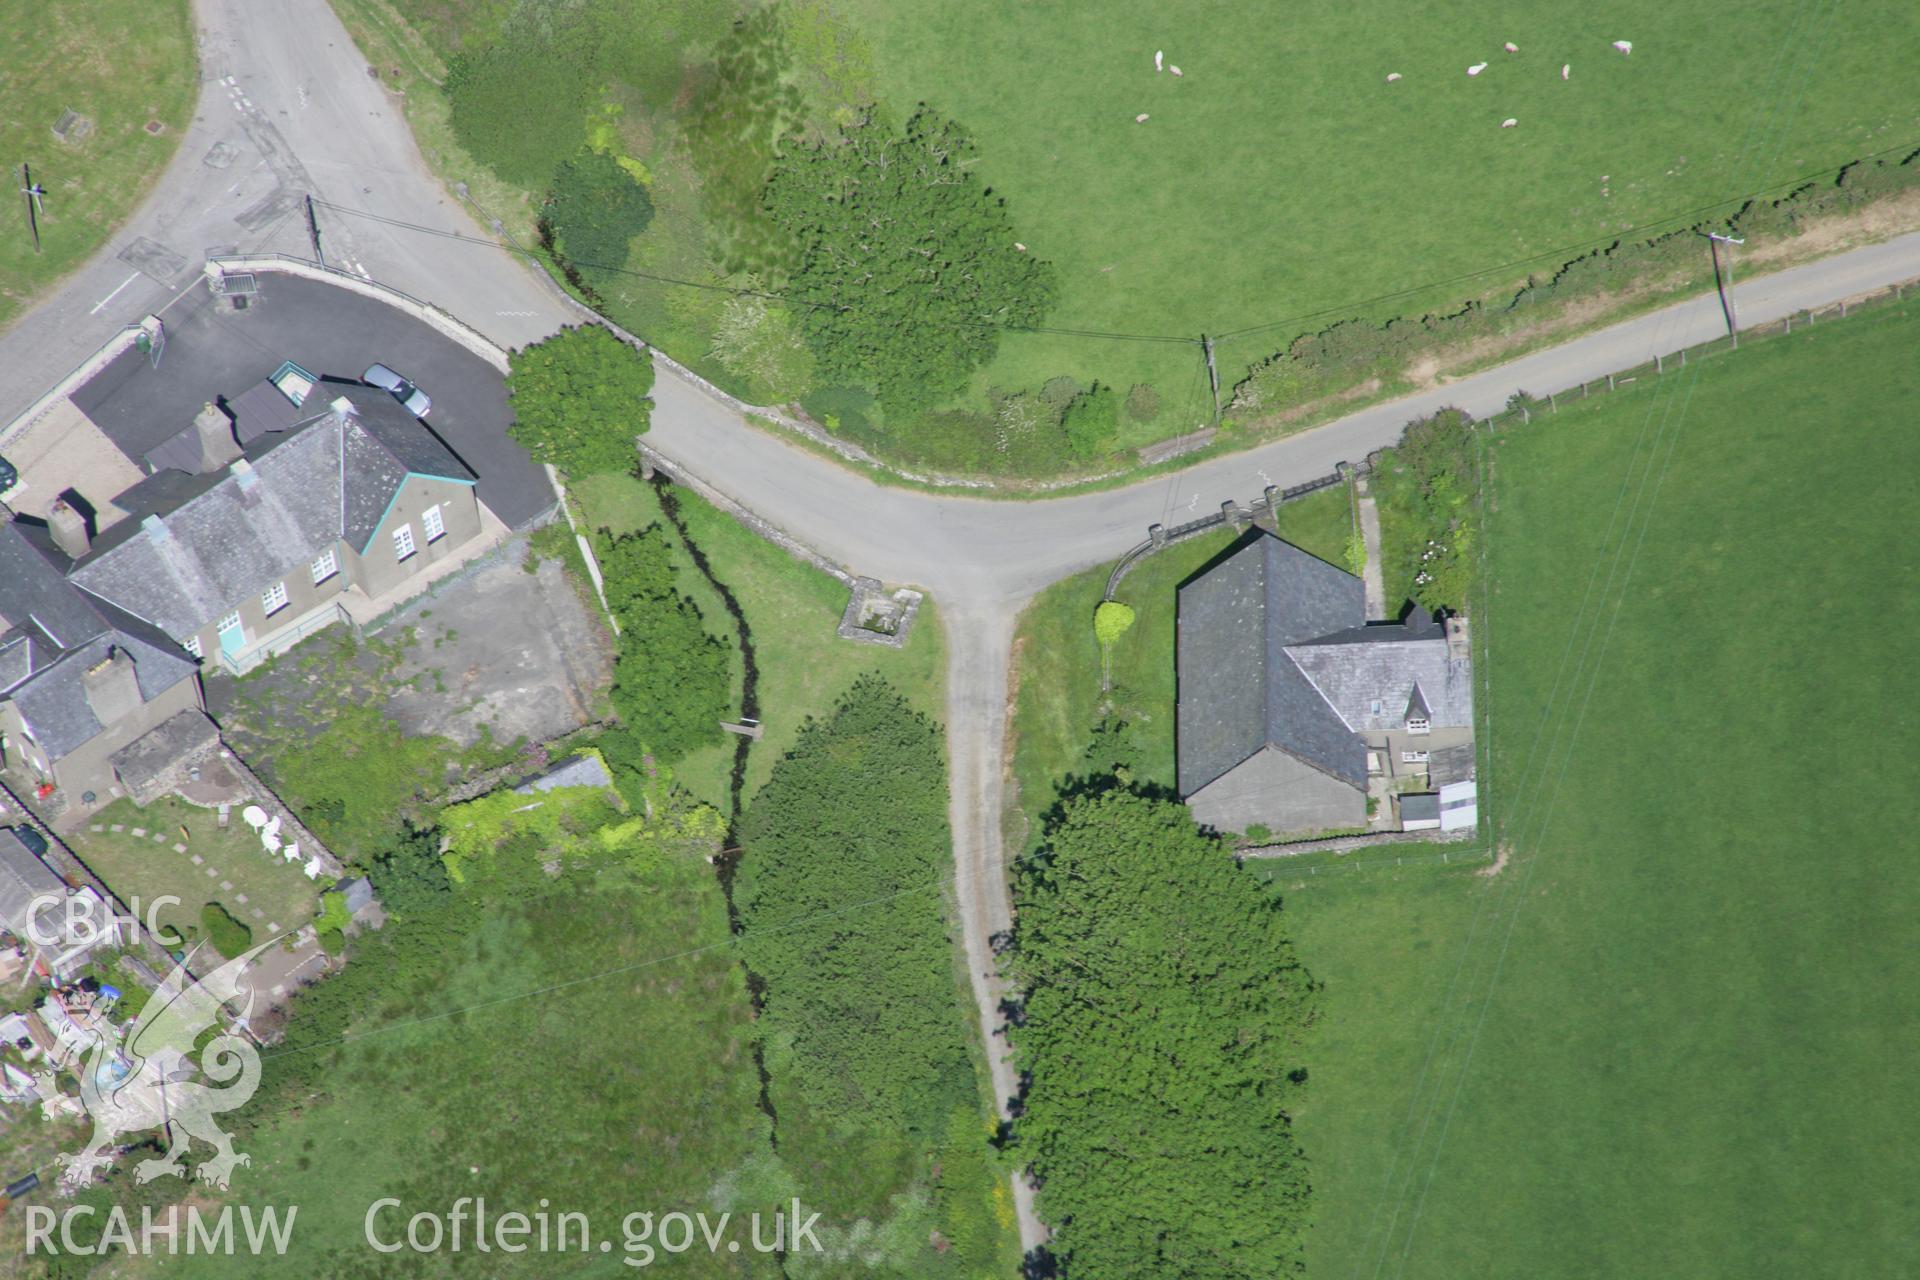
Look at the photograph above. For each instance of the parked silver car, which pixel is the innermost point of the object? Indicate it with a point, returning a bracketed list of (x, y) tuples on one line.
[(403, 391)]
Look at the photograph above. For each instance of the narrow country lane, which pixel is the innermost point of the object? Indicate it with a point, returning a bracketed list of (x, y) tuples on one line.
[(287, 109)]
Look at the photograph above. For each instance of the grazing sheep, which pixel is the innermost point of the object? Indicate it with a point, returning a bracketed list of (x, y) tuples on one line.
[(1511, 47), (1508, 123), (1566, 70), (1176, 70), (1624, 46), (1476, 68), (1022, 248), (1392, 76), (1158, 54), (1141, 118)]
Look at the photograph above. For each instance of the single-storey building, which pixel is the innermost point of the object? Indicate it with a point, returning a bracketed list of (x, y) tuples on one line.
[(1292, 706), (60, 926)]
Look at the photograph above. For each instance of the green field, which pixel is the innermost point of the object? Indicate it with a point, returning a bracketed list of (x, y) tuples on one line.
[(1660, 1040), (120, 66), (1281, 184), (1282, 175)]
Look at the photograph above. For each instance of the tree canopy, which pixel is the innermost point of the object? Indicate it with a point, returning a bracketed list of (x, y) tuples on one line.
[(845, 921), (595, 210), (579, 399), (907, 267), (1163, 1019), (672, 681)]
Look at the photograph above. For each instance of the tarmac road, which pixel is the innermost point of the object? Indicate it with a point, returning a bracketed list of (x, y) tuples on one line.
[(287, 108)]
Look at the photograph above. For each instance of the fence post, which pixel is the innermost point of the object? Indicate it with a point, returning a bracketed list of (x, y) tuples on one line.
[(1789, 328), (1843, 308), (1683, 357), (1552, 405), (1609, 382), (1657, 367)]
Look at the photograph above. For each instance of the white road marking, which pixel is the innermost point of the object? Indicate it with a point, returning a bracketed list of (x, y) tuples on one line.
[(116, 293)]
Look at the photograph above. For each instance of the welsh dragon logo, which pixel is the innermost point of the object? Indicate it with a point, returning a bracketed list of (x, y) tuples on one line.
[(143, 1077)]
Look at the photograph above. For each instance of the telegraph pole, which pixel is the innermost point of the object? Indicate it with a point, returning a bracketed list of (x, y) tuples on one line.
[(313, 232), (1213, 376), (32, 191), (1725, 283)]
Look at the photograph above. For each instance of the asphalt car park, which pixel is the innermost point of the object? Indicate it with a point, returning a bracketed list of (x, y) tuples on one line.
[(217, 349)]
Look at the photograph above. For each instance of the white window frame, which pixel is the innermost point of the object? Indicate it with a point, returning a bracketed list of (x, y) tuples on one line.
[(274, 598), (325, 565), (192, 645), (403, 547), (432, 524), (230, 622), (1413, 757), (1419, 724)]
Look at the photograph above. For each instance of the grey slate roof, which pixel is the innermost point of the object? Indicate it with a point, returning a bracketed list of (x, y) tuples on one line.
[(1238, 692), (195, 546), (1273, 650), (54, 702), (580, 771), (261, 408), (59, 632), (181, 735), (1355, 675), (23, 878), (35, 599)]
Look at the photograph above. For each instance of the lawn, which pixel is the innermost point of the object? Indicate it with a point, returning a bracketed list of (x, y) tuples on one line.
[(1277, 186), (259, 889), (1059, 700), (121, 67), (791, 610), (1281, 174), (1659, 1040)]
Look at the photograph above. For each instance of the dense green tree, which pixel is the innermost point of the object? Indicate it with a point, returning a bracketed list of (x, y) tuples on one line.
[(408, 876), (579, 399), (519, 102), (1091, 421), (595, 210), (672, 682), (1163, 1017), (907, 268), (840, 892)]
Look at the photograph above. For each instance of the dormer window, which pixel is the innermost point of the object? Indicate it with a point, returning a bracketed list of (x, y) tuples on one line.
[(1418, 724)]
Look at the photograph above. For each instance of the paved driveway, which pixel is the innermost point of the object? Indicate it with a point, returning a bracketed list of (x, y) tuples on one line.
[(214, 351)]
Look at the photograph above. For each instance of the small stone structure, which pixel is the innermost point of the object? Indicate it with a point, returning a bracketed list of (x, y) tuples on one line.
[(874, 617)]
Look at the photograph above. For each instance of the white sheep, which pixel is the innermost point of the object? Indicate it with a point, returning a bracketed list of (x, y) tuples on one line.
[(1476, 68), (1624, 46), (1508, 123), (1158, 54), (1511, 47), (1566, 70), (1392, 76), (1141, 118), (1176, 71)]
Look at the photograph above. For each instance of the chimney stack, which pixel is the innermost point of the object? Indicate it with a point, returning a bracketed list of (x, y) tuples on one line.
[(247, 480), (214, 433), (112, 687), (69, 529)]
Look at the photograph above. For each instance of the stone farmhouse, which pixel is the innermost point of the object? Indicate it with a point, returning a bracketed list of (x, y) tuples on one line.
[(237, 545), (1294, 709)]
